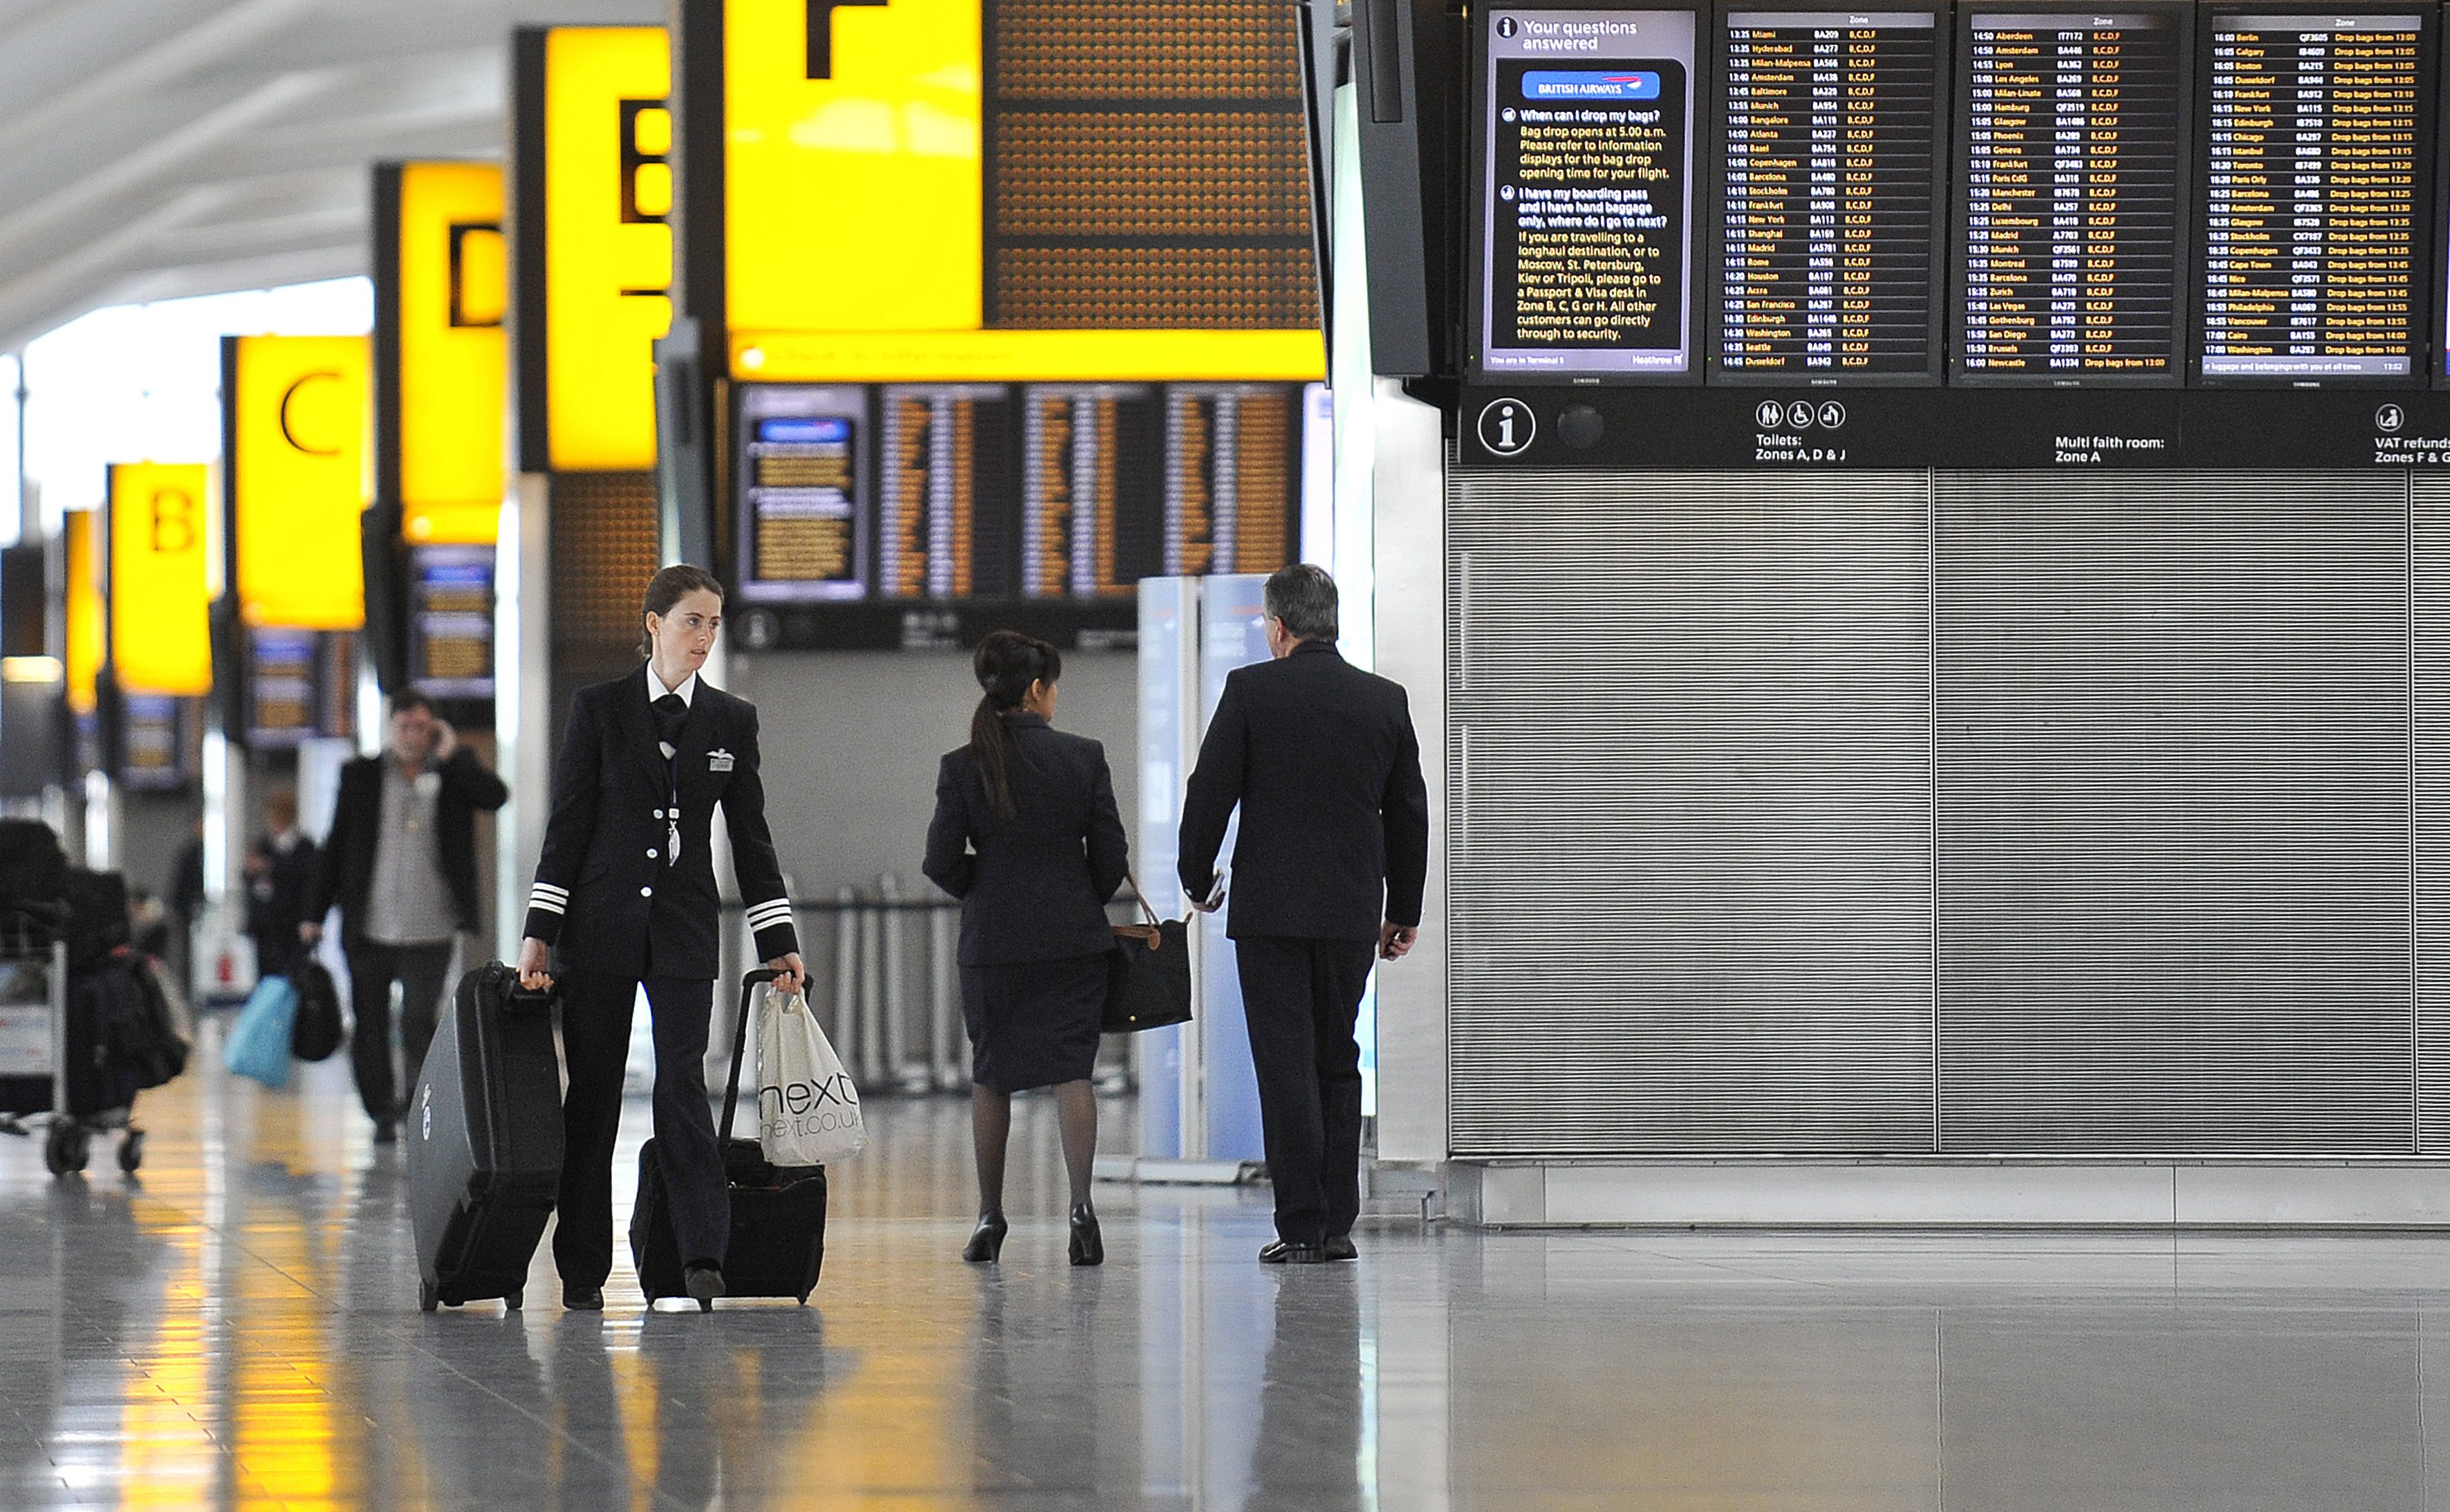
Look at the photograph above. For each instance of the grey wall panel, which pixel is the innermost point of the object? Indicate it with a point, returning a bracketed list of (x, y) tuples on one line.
[(2174, 814), (1690, 814), (2431, 621)]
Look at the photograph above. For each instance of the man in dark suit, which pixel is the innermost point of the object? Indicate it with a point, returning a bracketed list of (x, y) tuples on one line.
[(1329, 869), (401, 862)]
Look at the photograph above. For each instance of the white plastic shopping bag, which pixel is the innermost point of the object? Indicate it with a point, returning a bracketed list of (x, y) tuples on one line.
[(807, 1111)]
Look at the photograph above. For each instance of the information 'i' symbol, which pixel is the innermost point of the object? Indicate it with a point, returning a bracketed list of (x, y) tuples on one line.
[(1507, 427), (1506, 26)]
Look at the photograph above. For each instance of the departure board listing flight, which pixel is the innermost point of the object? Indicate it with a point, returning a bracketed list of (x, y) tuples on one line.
[(1829, 194), (1588, 195), (2070, 174), (802, 531), (2312, 210)]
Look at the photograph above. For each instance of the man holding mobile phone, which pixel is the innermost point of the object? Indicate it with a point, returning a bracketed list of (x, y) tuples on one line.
[(1328, 873)]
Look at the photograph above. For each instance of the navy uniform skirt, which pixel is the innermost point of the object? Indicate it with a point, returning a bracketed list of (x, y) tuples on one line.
[(1034, 1023)]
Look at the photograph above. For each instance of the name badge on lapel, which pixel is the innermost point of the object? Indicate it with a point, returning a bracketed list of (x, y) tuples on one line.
[(718, 760)]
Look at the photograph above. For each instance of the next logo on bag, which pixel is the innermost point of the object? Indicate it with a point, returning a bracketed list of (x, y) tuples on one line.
[(805, 1107)]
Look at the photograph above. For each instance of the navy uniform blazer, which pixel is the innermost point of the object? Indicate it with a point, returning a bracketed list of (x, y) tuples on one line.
[(1335, 818), (1034, 886), (608, 895)]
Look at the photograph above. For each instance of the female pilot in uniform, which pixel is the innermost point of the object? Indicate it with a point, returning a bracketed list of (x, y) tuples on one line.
[(625, 894)]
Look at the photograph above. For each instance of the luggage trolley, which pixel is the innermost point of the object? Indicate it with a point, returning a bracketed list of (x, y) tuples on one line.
[(34, 1043)]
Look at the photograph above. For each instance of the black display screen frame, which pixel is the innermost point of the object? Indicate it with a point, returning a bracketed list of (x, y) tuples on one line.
[(2426, 295), (2181, 15), (1710, 276), (1478, 294)]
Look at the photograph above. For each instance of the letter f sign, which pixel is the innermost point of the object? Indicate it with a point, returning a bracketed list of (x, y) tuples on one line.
[(821, 34)]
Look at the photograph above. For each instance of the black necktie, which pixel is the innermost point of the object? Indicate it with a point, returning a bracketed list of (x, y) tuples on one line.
[(671, 714)]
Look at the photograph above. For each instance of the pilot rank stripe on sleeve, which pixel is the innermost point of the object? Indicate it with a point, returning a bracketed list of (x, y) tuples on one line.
[(766, 915), (550, 899)]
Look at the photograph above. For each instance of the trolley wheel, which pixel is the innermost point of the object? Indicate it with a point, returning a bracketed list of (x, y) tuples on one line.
[(66, 1149), (131, 1151), (512, 1299), (429, 1296)]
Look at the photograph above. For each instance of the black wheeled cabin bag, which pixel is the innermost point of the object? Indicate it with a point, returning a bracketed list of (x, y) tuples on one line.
[(483, 1133), (778, 1212)]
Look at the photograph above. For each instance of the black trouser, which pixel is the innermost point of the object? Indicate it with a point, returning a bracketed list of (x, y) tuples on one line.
[(1299, 998), (420, 971), (595, 1013)]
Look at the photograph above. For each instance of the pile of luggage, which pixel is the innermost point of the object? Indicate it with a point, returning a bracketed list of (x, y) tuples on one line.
[(121, 1033)]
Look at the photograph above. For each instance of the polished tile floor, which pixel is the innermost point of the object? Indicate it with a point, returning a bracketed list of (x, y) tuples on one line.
[(239, 1328)]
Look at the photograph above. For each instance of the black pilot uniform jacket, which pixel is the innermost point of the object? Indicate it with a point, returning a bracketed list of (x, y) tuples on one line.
[(609, 896)]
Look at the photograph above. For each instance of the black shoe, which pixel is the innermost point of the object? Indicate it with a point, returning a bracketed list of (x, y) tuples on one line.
[(1340, 1247), (581, 1299), (1281, 1253), (1088, 1245), (703, 1281), (386, 1131), (986, 1240)]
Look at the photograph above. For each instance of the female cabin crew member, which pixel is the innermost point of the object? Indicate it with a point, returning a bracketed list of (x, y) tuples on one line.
[(1026, 835), (625, 894)]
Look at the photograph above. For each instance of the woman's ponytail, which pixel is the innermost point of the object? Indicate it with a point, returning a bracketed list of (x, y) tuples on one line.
[(1006, 665)]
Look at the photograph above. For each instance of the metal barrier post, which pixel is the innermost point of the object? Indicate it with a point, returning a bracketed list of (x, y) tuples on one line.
[(944, 1003), (909, 1071), (871, 992), (846, 976)]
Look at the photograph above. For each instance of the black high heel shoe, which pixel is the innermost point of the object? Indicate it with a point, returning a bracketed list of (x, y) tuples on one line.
[(1088, 1245), (987, 1241)]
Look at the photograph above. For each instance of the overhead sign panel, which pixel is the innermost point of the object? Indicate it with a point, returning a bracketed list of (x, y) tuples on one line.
[(443, 284), (594, 141), (86, 632), (296, 417), (160, 578), (1091, 193)]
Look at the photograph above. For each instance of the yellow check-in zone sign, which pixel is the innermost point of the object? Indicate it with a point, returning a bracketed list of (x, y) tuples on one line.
[(608, 193), (87, 634), (160, 578), (454, 374), (854, 214), (300, 418)]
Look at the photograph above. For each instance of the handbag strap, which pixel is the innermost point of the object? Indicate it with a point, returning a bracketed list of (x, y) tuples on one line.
[(1142, 899)]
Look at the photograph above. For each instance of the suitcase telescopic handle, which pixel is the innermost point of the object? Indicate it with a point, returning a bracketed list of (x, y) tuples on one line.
[(748, 985)]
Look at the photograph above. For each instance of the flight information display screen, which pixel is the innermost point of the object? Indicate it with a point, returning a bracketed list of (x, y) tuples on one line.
[(1830, 203), (2071, 183), (802, 534), (1586, 251), (450, 621), (940, 533), (2314, 194), (1093, 485), (1232, 477)]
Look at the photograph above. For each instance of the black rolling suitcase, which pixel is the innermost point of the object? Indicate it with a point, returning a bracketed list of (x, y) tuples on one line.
[(484, 1141), (778, 1212)]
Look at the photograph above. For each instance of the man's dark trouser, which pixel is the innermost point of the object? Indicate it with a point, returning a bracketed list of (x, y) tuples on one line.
[(372, 968), (1299, 998), (595, 1012)]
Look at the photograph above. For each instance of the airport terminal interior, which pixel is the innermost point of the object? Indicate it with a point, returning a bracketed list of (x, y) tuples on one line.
[(1903, 890)]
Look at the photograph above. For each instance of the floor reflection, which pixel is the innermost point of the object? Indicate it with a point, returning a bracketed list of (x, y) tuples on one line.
[(239, 1329)]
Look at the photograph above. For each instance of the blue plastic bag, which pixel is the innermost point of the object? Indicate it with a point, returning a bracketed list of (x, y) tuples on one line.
[(259, 1038)]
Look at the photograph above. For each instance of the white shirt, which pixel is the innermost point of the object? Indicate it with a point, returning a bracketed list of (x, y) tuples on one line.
[(656, 689)]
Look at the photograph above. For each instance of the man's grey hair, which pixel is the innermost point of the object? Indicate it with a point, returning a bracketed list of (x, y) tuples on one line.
[(1302, 598)]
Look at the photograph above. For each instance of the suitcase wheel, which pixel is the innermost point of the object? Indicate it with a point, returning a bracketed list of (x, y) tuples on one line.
[(131, 1151), (66, 1149), (512, 1298), (429, 1296)]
